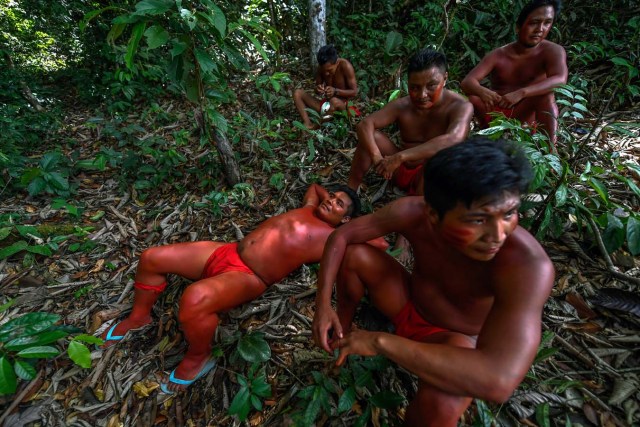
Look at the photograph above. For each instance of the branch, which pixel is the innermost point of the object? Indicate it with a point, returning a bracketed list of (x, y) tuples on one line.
[(610, 267)]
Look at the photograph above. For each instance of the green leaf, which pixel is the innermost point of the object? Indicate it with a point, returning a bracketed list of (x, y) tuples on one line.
[(40, 249), (392, 42), (260, 387), (600, 188), (45, 337), (88, 339), (256, 44), (255, 401), (8, 380), (40, 352), (240, 405), (207, 65), (561, 195), (80, 354), (613, 236), (484, 417), (115, 32), (218, 19), (156, 36), (386, 399), (36, 186), (347, 399), (153, 7), (13, 249), (4, 232), (7, 305), (312, 150), (621, 61), (27, 324), (132, 47), (24, 370), (633, 235), (253, 348), (542, 415)]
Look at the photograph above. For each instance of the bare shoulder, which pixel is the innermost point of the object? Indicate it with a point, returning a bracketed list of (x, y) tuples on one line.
[(345, 66), (404, 211), (553, 50)]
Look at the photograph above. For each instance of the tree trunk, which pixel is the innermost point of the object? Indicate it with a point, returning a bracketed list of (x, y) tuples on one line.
[(26, 91), (317, 23), (229, 164)]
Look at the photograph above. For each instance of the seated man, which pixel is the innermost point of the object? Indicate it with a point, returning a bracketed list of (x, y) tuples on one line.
[(429, 119), (229, 274), (335, 85), (468, 317), (522, 74)]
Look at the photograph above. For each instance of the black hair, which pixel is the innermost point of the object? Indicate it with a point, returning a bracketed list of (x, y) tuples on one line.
[(425, 59), (356, 205), (533, 5), (326, 54), (474, 169)]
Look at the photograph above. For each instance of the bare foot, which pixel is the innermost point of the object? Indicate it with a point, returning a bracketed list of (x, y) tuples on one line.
[(311, 126), (122, 328), (189, 370)]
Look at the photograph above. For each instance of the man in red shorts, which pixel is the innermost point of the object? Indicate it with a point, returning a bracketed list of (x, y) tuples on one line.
[(522, 74), (229, 274), (335, 85), (468, 316), (429, 119)]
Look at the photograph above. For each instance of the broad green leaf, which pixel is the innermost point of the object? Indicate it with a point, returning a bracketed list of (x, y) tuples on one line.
[(613, 235), (36, 186), (132, 46), (633, 235), (392, 42), (88, 339), (80, 354), (218, 21), (621, 61), (41, 338), (315, 405), (178, 47), (600, 188), (90, 15), (364, 419), (27, 324), (8, 380), (261, 388), (256, 44), (13, 249), (153, 7), (561, 195), (24, 370), (580, 107), (540, 173), (256, 402), (253, 348), (40, 249), (484, 417), (207, 64), (40, 352), (4, 232), (312, 150), (347, 399), (57, 181), (386, 399), (542, 415), (240, 404), (564, 92), (156, 36)]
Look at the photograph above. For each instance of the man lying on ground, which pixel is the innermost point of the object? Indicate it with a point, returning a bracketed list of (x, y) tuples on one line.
[(335, 85), (522, 74), (468, 317), (229, 274)]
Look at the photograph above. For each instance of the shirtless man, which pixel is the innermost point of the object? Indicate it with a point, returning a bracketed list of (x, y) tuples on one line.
[(229, 274), (468, 317), (335, 84), (522, 74), (429, 119)]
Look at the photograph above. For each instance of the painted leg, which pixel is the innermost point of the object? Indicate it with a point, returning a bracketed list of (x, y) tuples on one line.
[(362, 160)]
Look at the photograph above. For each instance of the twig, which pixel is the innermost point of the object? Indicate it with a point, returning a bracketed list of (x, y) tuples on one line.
[(19, 397), (607, 259)]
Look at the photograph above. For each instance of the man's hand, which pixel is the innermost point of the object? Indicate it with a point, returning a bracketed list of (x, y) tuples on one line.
[(321, 89), (489, 98), (324, 321), (358, 342), (330, 92), (511, 99), (388, 165)]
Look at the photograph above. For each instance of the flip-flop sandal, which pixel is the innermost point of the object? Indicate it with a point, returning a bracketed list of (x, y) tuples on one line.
[(172, 379)]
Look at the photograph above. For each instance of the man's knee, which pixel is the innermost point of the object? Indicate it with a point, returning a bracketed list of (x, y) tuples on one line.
[(434, 407), (337, 104), (151, 259), (298, 94), (197, 300)]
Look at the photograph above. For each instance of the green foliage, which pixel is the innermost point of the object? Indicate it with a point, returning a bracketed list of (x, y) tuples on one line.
[(253, 348), (253, 388), (31, 336)]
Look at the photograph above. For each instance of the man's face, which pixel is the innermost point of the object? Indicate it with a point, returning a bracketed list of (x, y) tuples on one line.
[(328, 69), (426, 87), (480, 230), (334, 209), (536, 27)]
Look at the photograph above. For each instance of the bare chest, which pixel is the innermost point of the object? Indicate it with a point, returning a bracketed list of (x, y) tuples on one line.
[(418, 128), (514, 73)]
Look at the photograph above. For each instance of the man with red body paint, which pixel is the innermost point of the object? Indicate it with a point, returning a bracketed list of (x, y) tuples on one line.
[(468, 317), (229, 274), (523, 73), (429, 119)]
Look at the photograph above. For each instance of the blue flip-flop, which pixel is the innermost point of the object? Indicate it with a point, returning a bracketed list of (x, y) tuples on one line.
[(172, 378), (110, 337)]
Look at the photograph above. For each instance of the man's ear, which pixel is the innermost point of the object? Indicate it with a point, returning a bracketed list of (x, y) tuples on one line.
[(432, 214), (345, 219)]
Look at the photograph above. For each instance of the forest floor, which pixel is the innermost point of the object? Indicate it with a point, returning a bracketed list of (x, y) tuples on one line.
[(587, 370)]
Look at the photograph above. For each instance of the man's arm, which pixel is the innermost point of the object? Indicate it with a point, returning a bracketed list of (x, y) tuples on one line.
[(392, 217), (459, 126), (471, 83), (314, 195), (378, 120), (557, 74), (506, 345)]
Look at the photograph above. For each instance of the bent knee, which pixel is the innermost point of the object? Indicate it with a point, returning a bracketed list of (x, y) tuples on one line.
[(298, 93), (152, 259), (197, 300)]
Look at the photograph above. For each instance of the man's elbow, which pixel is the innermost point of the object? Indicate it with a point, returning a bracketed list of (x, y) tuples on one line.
[(499, 389)]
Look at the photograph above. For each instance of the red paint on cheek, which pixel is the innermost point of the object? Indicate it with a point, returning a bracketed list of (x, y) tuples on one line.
[(437, 94), (459, 236)]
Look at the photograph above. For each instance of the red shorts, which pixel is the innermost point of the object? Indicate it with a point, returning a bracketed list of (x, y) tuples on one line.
[(351, 109), (407, 178), (223, 260), (508, 112), (409, 324)]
